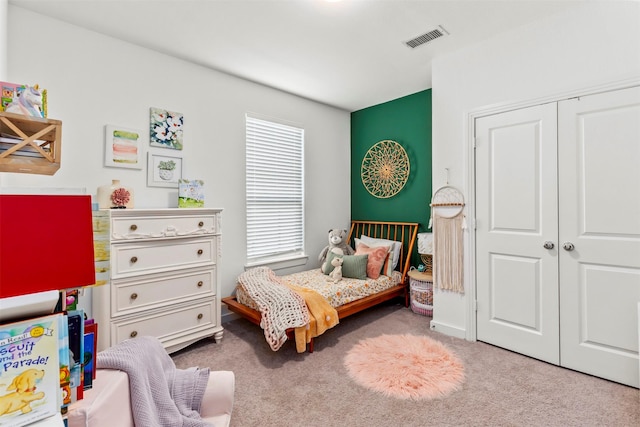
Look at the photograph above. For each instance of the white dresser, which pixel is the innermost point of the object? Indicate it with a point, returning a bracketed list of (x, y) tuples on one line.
[(164, 277)]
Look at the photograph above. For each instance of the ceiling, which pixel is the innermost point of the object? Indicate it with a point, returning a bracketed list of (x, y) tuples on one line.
[(350, 54)]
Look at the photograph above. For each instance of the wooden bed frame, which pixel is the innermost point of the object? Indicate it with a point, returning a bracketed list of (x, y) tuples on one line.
[(404, 232)]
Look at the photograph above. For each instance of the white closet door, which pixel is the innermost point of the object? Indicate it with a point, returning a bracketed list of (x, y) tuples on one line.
[(516, 213), (599, 184)]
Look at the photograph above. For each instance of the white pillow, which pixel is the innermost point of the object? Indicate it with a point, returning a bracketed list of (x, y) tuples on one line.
[(396, 247)]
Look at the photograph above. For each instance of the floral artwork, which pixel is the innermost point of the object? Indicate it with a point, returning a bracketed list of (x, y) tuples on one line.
[(166, 129), (120, 197)]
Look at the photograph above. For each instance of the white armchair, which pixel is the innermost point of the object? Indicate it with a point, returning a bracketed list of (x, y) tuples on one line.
[(108, 404)]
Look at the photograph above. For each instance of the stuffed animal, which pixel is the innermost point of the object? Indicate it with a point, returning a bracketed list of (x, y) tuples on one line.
[(28, 103), (336, 273), (337, 240)]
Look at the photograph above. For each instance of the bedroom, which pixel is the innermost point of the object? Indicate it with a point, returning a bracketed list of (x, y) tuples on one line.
[(563, 53)]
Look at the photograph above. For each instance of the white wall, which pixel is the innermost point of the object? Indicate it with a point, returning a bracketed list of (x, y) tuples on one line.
[(4, 5), (568, 52), (93, 80)]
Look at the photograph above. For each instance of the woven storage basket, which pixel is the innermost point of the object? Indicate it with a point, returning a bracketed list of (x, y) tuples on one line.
[(421, 292), (427, 261)]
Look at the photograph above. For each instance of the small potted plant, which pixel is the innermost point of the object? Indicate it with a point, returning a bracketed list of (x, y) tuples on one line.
[(166, 169)]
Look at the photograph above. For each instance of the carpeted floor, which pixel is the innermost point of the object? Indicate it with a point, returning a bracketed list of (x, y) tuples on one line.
[(501, 388)]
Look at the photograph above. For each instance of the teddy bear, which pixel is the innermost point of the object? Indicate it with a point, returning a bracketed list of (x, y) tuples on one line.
[(336, 273), (337, 241)]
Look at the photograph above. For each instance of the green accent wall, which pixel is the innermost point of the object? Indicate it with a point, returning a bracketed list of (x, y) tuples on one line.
[(407, 121)]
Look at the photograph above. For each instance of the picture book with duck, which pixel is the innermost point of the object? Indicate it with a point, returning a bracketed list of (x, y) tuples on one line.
[(29, 370)]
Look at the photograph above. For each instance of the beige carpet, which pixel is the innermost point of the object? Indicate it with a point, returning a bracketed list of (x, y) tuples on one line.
[(501, 388)]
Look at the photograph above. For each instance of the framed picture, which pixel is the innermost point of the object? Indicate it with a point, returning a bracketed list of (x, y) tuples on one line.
[(165, 129), (163, 171), (123, 148)]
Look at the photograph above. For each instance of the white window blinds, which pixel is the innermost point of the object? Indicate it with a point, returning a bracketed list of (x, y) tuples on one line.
[(275, 184)]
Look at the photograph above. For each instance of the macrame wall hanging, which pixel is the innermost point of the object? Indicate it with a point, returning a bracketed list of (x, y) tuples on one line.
[(448, 223), (385, 169)]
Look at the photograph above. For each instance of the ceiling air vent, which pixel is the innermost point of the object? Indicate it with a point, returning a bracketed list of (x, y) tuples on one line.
[(426, 37)]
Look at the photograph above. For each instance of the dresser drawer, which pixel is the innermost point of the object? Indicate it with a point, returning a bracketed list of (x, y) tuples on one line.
[(129, 259), (160, 290), (132, 228), (166, 324)]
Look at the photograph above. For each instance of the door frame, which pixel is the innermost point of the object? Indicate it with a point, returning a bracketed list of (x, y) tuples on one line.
[(470, 277)]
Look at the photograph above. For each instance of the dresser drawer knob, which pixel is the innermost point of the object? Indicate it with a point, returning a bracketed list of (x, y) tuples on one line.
[(133, 227), (200, 316), (134, 295), (200, 251), (134, 259), (200, 283), (133, 334), (200, 224)]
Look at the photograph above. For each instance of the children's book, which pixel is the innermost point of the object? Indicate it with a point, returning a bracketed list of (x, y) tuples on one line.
[(29, 370), (76, 353), (65, 372), (90, 346)]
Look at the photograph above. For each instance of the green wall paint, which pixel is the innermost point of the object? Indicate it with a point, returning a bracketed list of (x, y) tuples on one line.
[(407, 121)]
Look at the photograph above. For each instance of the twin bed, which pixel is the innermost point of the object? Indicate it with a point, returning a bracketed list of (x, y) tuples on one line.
[(349, 295)]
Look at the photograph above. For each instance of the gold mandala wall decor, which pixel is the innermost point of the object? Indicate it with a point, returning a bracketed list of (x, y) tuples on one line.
[(385, 169)]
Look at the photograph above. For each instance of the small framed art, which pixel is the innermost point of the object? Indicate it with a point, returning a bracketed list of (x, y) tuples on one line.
[(123, 148), (191, 193), (163, 171)]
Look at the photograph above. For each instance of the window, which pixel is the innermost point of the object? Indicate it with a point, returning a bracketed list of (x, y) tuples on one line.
[(275, 190)]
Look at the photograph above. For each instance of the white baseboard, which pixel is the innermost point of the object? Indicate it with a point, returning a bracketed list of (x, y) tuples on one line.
[(450, 330), (229, 316)]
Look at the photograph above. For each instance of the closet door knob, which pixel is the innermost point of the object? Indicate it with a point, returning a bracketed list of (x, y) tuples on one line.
[(548, 245), (568, 246)]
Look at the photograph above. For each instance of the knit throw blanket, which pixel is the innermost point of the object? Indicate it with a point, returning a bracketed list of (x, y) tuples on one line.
[(281, 308), (161, 394)]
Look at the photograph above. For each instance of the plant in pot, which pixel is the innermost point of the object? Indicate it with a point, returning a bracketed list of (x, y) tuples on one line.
[(166, 169)]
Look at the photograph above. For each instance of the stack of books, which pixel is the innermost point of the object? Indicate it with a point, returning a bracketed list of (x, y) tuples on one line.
[(7, 142)]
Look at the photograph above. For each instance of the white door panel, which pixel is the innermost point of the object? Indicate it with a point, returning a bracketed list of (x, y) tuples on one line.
[(575, 306), (599, 213), (511, 300), (516, 212)]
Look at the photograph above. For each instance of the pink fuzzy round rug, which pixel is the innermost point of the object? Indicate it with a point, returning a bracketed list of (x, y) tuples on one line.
[(405, 366)]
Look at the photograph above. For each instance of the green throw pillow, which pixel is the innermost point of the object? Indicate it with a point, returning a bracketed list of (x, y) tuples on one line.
[(353, 266)]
